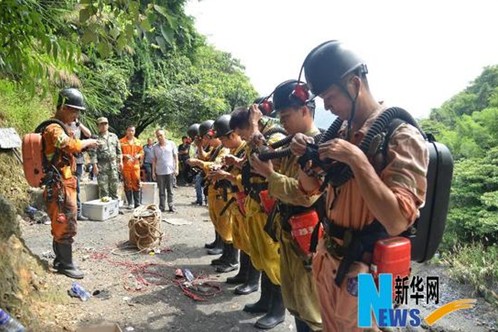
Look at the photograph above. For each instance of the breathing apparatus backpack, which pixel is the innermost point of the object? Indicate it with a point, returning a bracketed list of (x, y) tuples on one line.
[(35, 163), (426, 233)]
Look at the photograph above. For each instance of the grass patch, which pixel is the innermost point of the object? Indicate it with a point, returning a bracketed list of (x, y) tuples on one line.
[(477, 265), (21, 110)]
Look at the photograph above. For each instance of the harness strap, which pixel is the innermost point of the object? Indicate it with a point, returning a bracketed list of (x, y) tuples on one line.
[(355, 243)]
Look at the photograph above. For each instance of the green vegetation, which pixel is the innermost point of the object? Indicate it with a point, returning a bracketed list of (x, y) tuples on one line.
[(468, 125), (139, 62)]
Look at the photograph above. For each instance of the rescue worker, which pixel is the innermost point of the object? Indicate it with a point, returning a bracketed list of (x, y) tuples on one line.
[(377, 201), (298, 288), (228, 179), (203, 150), (132, 155), (264, 250), (107, 160), (60, 186), (222, 223)]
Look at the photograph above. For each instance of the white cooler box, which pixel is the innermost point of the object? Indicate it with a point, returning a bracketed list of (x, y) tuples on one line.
[(98, 210), (149, 193)]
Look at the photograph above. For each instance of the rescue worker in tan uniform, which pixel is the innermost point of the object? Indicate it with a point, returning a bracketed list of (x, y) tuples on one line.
[(388, 197), (60, 185), (229, 260), (264, 250), (230, 180), (132, 153), (298, 288)]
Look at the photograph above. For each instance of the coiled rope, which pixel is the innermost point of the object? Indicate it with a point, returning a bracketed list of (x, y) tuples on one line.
[(145, 227)]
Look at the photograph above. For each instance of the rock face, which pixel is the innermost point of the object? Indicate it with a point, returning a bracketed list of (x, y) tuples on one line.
[(20, 271)]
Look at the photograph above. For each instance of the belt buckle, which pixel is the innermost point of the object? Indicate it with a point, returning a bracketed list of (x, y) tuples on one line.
[(334, 248)]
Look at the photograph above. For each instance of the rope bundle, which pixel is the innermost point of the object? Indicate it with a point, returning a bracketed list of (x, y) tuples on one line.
[(145, 227)]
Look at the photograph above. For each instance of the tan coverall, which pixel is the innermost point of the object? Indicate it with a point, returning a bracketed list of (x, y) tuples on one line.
[(298, 287), (405, 175)]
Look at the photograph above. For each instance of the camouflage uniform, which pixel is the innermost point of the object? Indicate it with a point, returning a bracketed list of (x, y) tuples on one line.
[(107, 156)]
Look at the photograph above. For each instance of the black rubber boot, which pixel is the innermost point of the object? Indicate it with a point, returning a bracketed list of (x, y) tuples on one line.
[(301, 326), (136, 199), (225, 252), (252, 283), (129, 198), (218, 246), (232, 259), (241, 276), (56, 252), (212, 244), (66, 265), (276, 314), (263, 304)]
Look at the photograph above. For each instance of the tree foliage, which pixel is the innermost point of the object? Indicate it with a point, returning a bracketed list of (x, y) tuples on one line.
[(138, 62), (468, 125)]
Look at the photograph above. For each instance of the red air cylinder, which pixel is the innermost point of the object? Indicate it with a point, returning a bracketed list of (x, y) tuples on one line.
[(267, 202), (302, 226), (392, 255)]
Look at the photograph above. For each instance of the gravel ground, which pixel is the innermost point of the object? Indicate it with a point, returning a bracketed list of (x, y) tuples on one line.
[(139, 292)]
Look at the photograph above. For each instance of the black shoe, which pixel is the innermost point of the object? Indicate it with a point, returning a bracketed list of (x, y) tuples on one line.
[(253, 275), (82, 217), (241, 276), (65, 262), (263, 304), (236, 279), (210, 245), (172, 209), (225, 268), (246, 289), (219, 261), (196, 203), (276, 312), (215, 251)]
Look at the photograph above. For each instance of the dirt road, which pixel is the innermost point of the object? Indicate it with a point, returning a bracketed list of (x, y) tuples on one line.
[(139, 292)]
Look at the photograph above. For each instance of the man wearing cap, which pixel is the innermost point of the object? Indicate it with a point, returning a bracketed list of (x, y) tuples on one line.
[(60, 187), (107, 160)]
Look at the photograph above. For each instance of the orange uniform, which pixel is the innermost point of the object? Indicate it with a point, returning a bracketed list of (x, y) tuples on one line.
[(132, 153), (60, 191), (405, 175)]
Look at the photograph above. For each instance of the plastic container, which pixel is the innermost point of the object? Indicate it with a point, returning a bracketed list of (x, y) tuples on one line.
[(9, 323), (100, 211), (149, 193)]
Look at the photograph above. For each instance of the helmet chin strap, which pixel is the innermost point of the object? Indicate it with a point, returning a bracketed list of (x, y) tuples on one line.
[(353, 108)]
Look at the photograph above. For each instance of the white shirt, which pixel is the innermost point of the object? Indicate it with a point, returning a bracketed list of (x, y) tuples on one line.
[(165, 158)]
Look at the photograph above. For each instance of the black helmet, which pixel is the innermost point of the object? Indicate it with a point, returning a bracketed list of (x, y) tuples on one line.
[(193, 130), (222, 126), (328, 63), (71, 97), (205, 126), (283, 96)]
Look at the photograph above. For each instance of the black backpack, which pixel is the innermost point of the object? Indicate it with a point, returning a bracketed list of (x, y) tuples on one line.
[(427, 231)]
